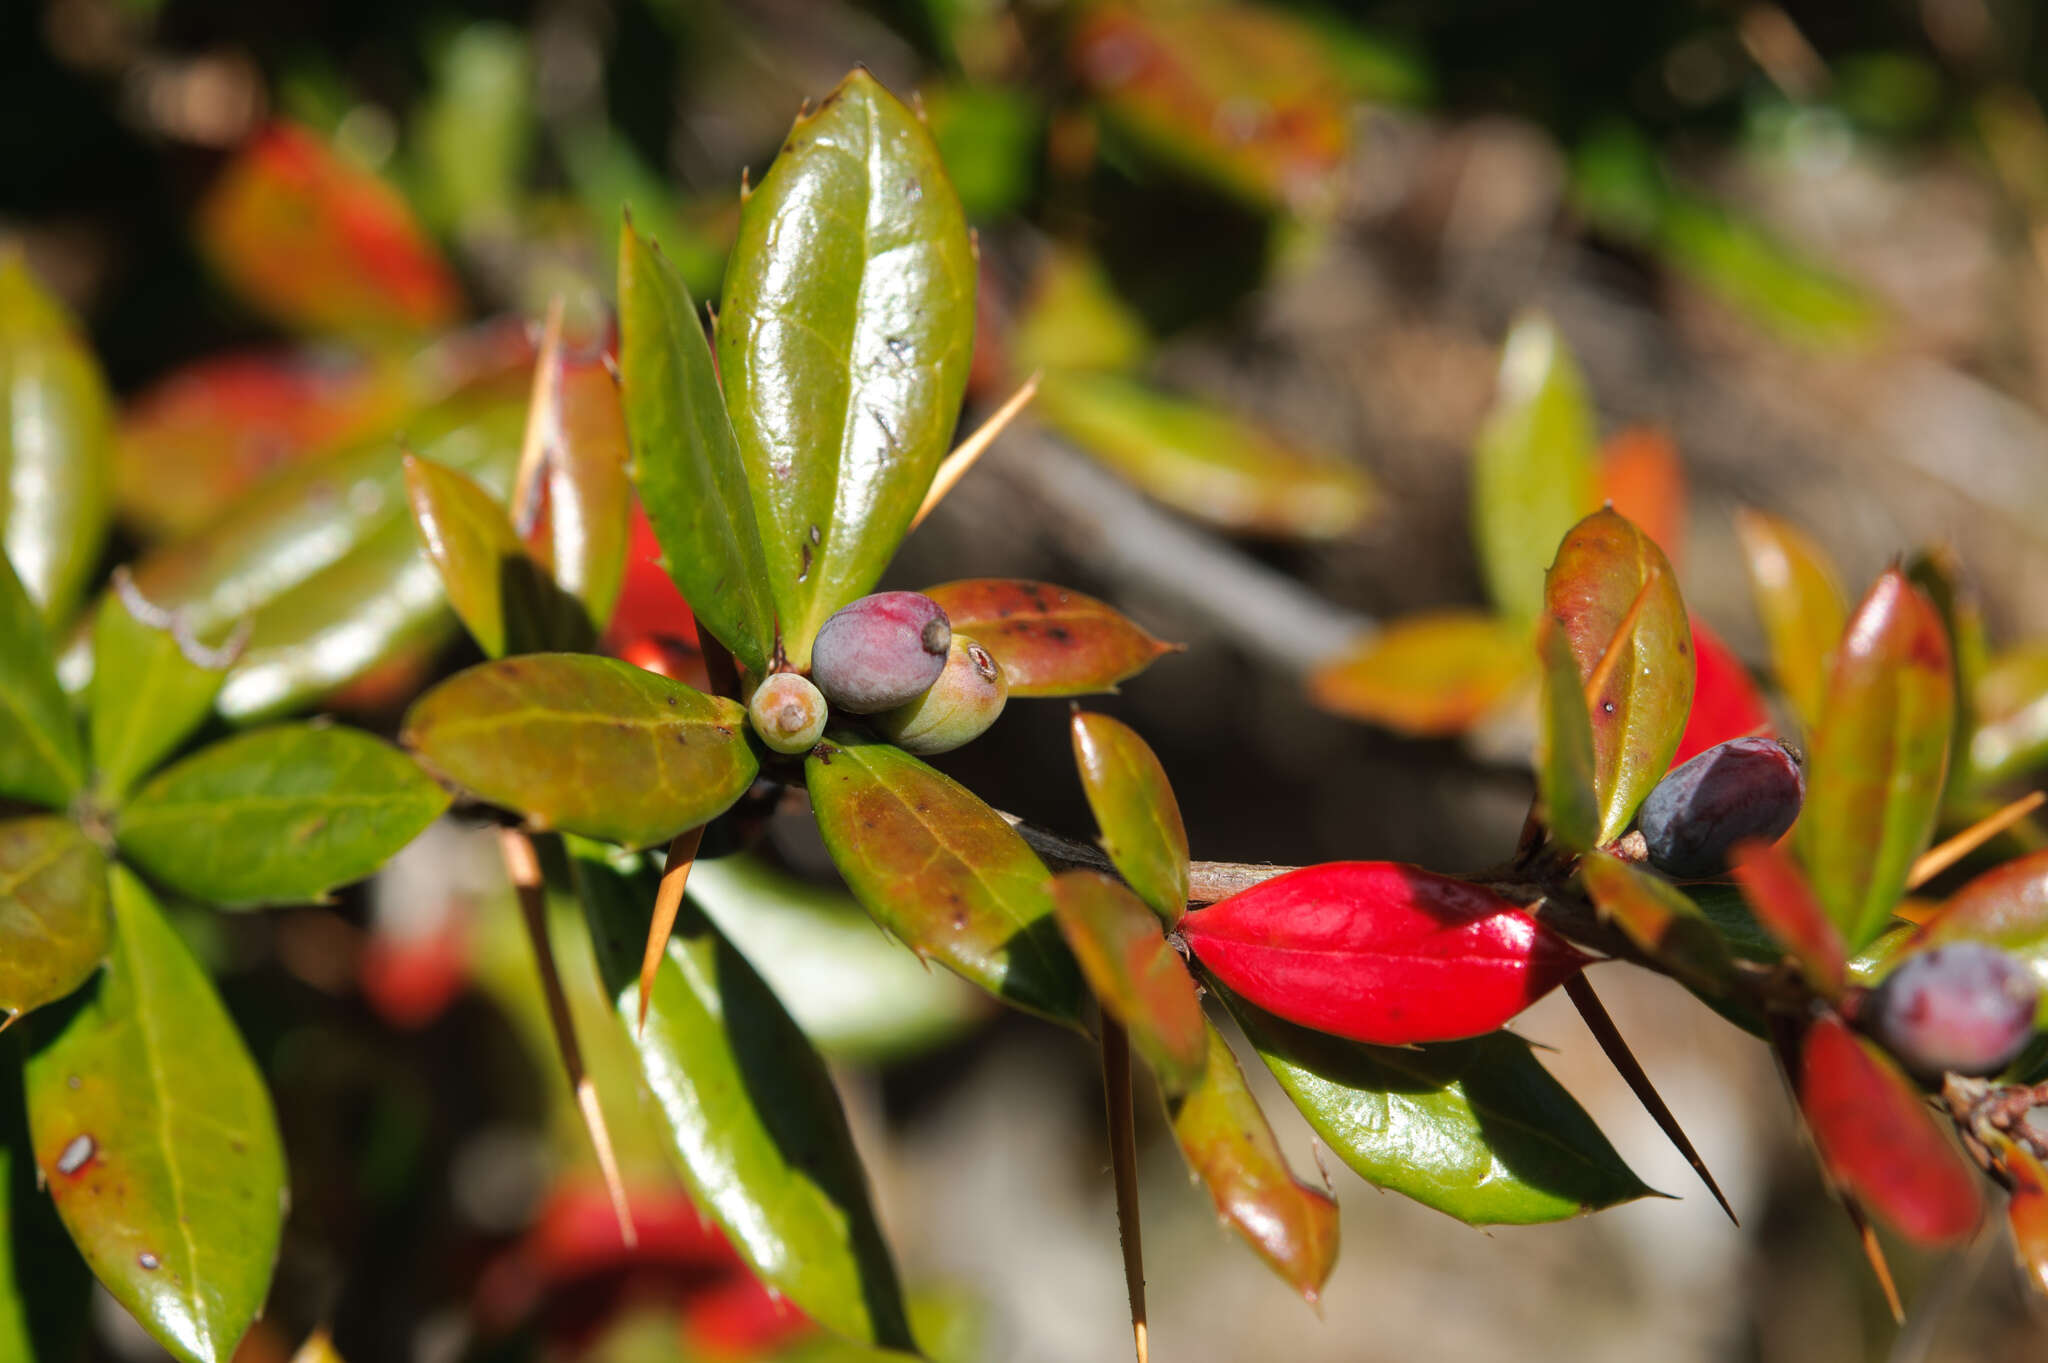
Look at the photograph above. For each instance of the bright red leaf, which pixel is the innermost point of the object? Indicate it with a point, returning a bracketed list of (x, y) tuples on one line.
[(649, 603), (1642, 477), (1879, 1141), (1787, 908), (1725, 701), (1381, 952)]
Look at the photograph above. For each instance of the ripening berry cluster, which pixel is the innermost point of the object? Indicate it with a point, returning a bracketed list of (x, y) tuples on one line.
[(892, 657), (1963, 1008)]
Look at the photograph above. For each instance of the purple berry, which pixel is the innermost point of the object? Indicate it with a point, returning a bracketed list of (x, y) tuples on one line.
[(881, 651), (1744, 788), (1966, 1007)]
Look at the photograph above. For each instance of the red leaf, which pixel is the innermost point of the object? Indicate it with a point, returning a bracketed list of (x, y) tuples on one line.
[(741, 1317), (1379, 952), (1725, 701), (1786, 906), (1642, 477), (1879, 1141), (648, 601), (2028, 1212)]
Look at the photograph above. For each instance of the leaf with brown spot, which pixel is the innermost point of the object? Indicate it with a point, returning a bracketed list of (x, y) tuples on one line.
[(1049, 641), (1612, 593), (1231, 1148), (586, 745), (154, 1134), (1139, 979), (943, 872), (1135, 808)]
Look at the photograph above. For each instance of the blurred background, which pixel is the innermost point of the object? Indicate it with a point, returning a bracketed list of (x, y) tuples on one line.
[(1265, 255)]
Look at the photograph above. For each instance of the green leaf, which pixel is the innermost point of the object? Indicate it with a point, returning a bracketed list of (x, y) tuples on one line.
[(53, 911), (686, 460), (1139, 979), (151, 687), (56, 444), (1564, 756), (1613, 596), (2011, 735), (1434, 674), (324, 561), (1476, 1129), (754, 1123), (1230, 1146), (279, 815), (1204, 461), (45, 1288), (856, 994), (1532, 468), (507, 601), (1880, 752), (1659, 919), (1075, 320), (943, 872), (1800, 603), (472, 133), (843, 344), (155, 1136), (1134, 807), (41, 759), (587, 745)]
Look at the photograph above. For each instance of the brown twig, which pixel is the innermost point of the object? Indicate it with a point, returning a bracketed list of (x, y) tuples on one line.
[(1123, 1159), (522, 866), (1580, 990)]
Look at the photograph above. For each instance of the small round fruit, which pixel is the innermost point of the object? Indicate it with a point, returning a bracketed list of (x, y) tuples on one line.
[(1744, 788), (957, 709), (1966, 1007), (881, 651), (788, 713)]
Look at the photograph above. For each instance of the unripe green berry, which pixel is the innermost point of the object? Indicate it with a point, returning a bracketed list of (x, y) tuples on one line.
[(957, 709), (788, 713)]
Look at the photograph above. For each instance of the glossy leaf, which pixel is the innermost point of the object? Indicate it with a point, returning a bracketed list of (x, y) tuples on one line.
[(279, 815), (1642, 478), (53, 911), (1139, 979), (1434, 674), (56, 444), (1532, 466), (1658, 919), (1135, 808), (2006, 906), (1938, 573), (1380, 952), (843, 345), (585, 497), (1476, 1129), (1799, 599), (1231, 1148), (1564, 753), (856, 994), (1874, 777), (1785, 905), (1048, 640), (1204, 461), (1612, 594), (322, 245), (1725, 701), (45, 1288), (194, 441), (155, 1136), (586, 745), (1244, 96), (324, 561), (507, 601), (151, 687), (1878, 1141), (942, 872), (2011, 704), (749, 1112), (686, 460), (41, 758)]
